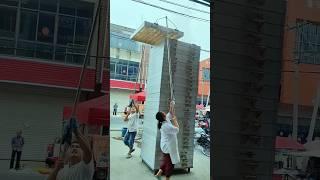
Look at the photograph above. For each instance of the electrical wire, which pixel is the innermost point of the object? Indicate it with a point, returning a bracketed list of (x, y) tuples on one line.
[(286, 26), (242, 5), (169, 21), (183, 6), (172, 11), (200, 2), (247, 56), (104, 58)]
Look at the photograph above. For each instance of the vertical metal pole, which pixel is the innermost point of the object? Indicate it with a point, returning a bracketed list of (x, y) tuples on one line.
[(17, 29), (207, 103), (85, 63), (295, 123), (101, 41), (314, 115), (55, 33), (202, 88), (141, 69), (296, 103)]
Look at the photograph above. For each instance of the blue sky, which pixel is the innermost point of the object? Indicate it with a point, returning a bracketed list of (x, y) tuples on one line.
[(131, 14)]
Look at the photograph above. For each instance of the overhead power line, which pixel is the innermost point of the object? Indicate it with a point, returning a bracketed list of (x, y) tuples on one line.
[(201, 2), (172, 11), (187, 7)]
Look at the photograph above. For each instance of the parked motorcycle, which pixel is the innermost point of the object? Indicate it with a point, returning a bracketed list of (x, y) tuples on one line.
[(204, 142), (202, 137)]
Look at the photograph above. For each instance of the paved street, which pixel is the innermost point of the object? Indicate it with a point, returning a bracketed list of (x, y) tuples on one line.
[(121, 168), (27, 173), (116, 122), (134, 168)]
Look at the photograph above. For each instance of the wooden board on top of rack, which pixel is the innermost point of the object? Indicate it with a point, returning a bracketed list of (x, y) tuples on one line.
[(154, 34)]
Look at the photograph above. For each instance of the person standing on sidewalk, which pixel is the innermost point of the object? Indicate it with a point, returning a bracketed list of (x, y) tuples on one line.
[(132, 119), (78, 163), (115, 109), (17, 143), (168, 141)]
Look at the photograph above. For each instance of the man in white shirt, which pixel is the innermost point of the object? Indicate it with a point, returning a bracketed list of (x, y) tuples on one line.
[(78, 164), (132, 119)]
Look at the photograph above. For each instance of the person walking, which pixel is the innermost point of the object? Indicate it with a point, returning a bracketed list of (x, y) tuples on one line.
[(78, 163), (169, 128), (115, 109), (132, 118), (17, 144)]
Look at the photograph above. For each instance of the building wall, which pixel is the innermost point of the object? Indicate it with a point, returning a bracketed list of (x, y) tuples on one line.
[(59, 33), (124, 66), (120, 96), (204, 82), (306, 10), (125, 54), (29, 54), (42, 48), (37, 111)]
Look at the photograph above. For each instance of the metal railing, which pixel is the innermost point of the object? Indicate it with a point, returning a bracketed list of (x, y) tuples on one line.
[(70, 56), (131, 78)]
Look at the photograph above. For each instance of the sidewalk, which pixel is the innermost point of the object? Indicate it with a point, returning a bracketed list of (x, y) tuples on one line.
[(116, 122), (27, 172), (134, 168)]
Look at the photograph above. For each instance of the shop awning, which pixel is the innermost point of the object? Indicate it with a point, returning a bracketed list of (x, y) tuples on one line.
[(286, 143), (141, 96), (92, 112)]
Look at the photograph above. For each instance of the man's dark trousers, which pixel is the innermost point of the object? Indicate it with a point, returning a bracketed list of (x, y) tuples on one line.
[(13, 156)]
